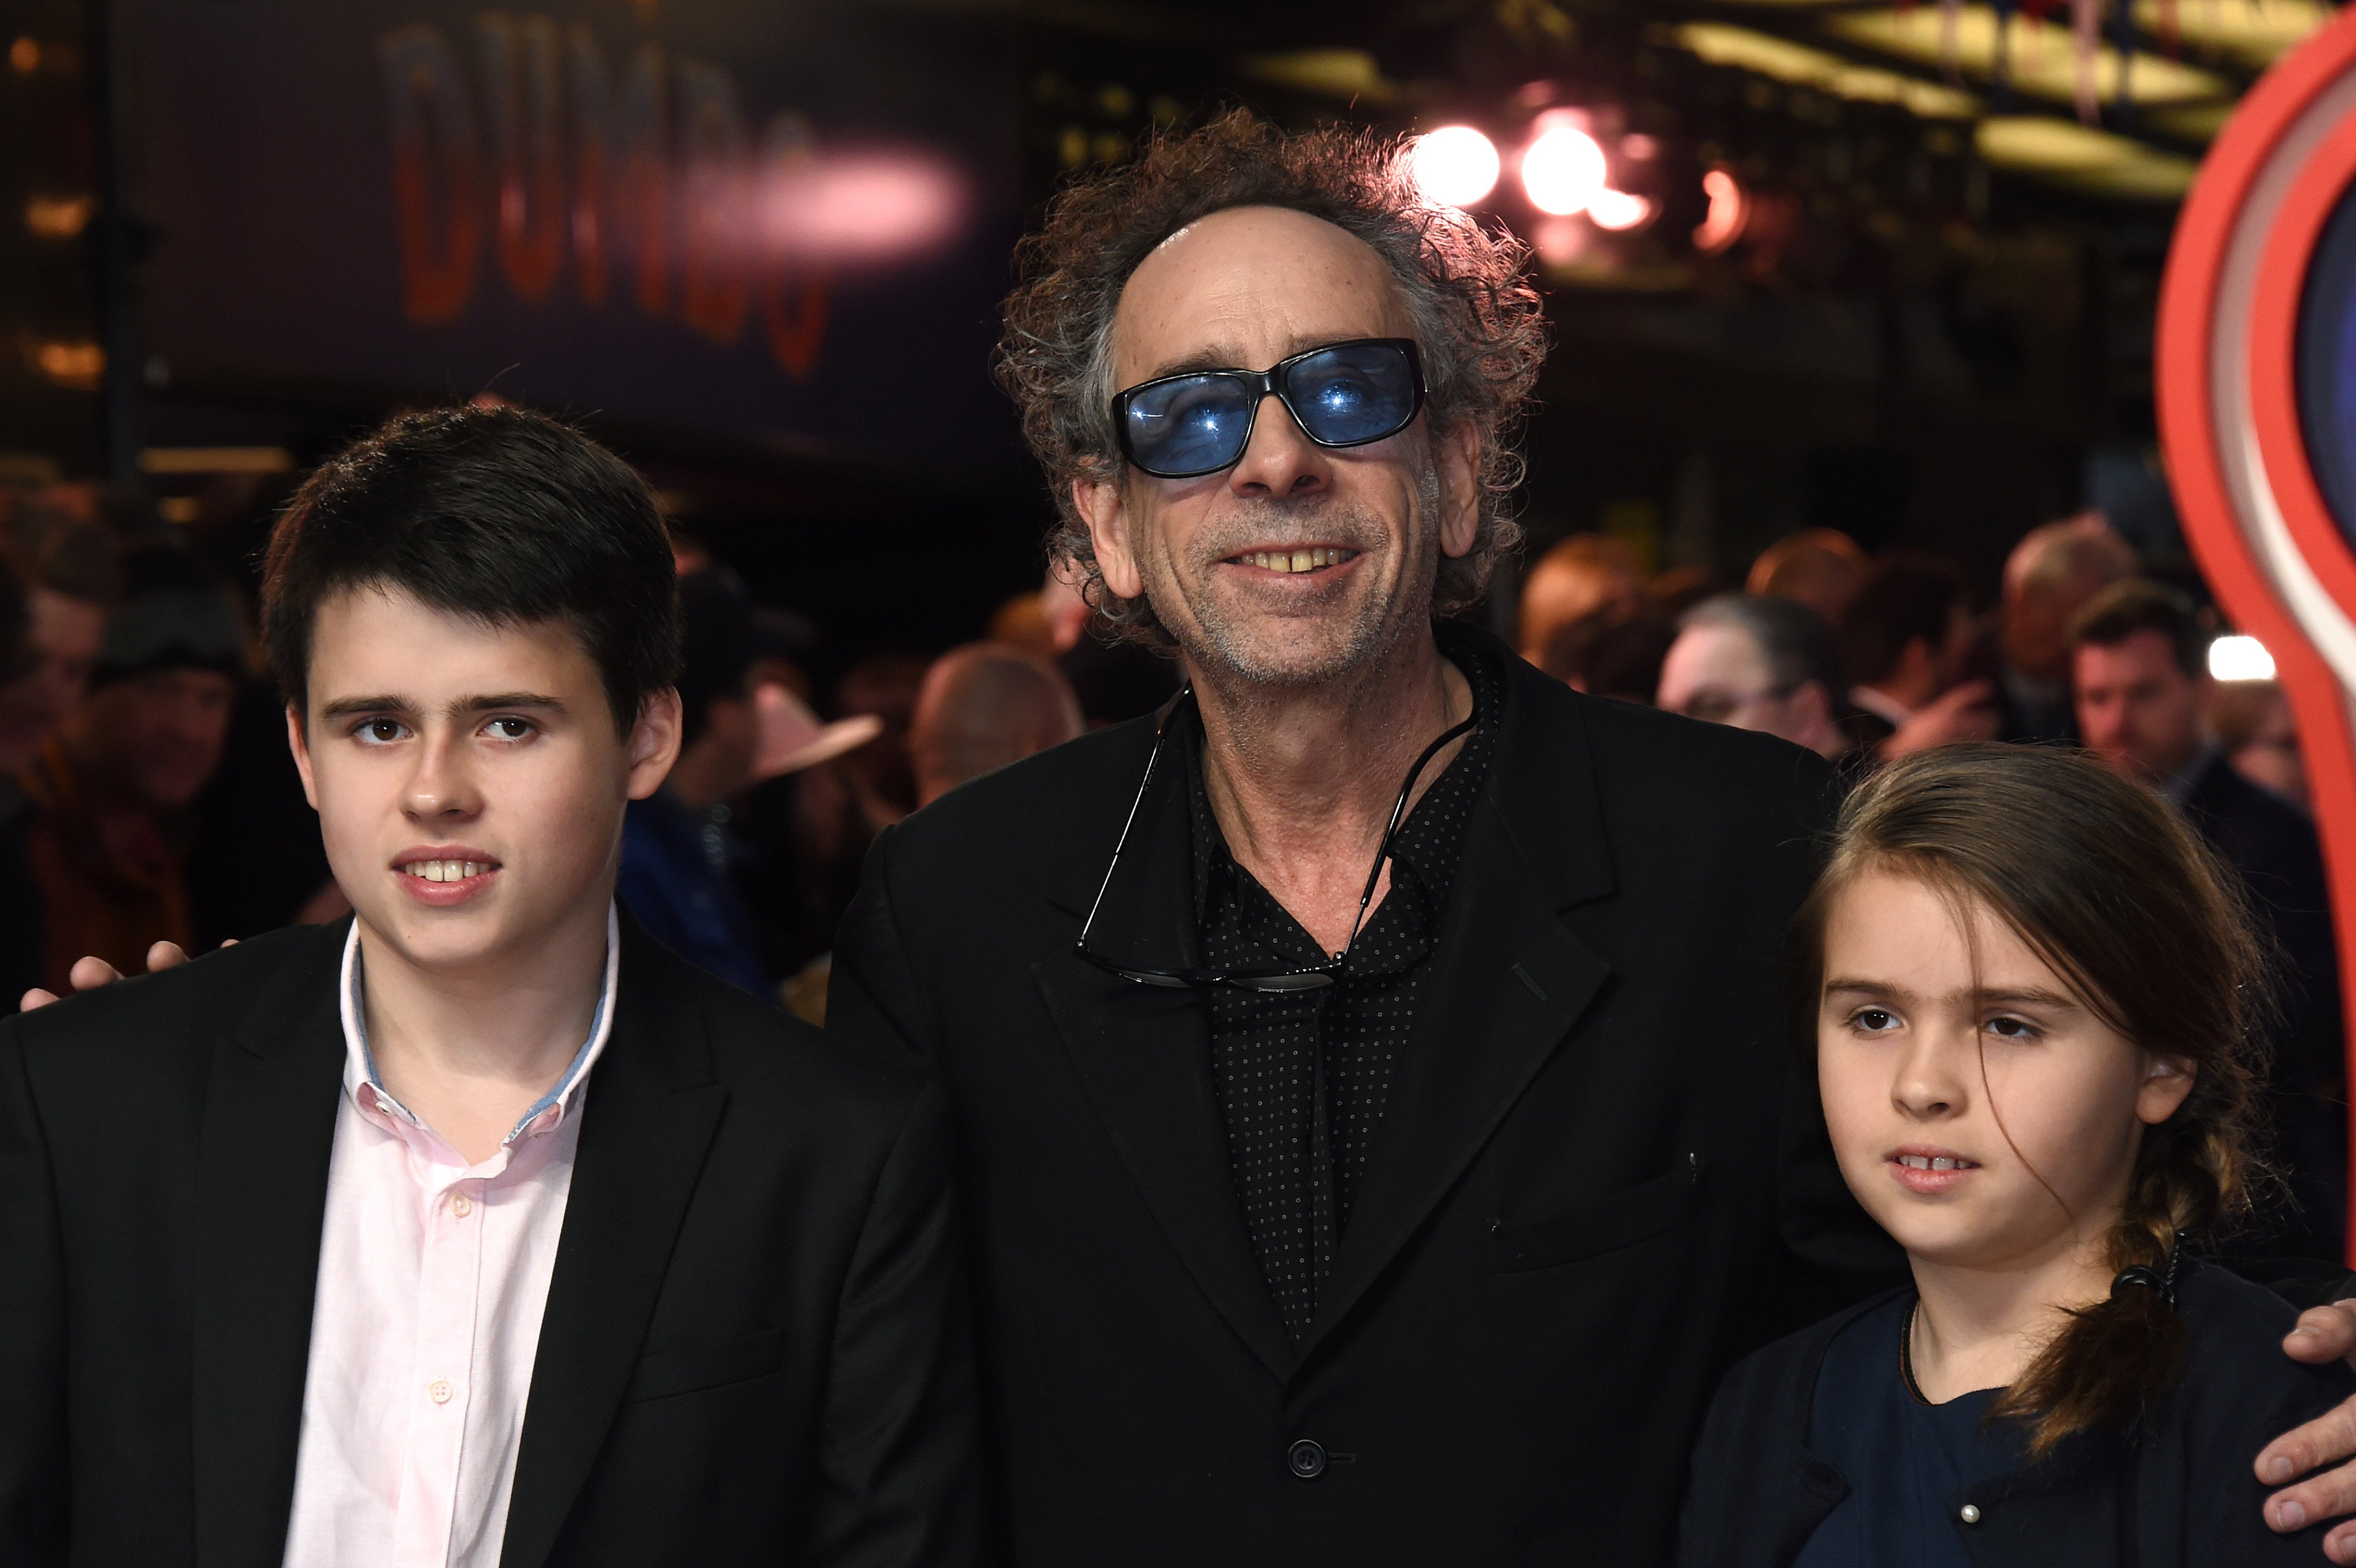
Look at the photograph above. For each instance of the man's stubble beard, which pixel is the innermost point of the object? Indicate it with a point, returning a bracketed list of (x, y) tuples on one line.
[(1224, 645)]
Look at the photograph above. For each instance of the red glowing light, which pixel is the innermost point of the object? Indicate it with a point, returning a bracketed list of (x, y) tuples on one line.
[(1729, 210)]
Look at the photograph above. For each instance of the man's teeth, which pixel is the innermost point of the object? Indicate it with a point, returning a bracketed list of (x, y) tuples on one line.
[(1294, 560), (446, 870), (1929, 1162)]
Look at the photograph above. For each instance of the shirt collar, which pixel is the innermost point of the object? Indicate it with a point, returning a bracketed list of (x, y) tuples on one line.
[(359, 1061)]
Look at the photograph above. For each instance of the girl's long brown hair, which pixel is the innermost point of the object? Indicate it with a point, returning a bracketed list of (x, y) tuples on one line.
[(2108, 884)]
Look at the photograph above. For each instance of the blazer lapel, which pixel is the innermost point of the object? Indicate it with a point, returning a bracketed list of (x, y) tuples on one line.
[(1144, 1054), (268, 1133), (650, 1114), (1509, 980)]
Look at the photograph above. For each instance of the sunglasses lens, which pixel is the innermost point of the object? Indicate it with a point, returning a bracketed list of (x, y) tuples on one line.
[(1190, 424), (1354, 394)]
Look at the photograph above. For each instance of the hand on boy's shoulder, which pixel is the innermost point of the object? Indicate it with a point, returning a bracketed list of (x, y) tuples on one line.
[(90, 972), (235, 965)]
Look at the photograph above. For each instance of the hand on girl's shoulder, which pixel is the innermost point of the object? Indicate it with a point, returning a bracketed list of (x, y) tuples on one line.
[(2239, 1393)]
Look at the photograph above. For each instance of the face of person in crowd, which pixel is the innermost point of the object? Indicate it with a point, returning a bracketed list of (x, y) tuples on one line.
[(1300, 562), (1716, 673), (157, 736), (2137, 710), (64, 635), (1983, 1115), (469, 780)]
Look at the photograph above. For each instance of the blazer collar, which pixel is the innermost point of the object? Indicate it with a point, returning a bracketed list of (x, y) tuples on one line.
[(265, 1137), (268, 1126), (654, 1105)]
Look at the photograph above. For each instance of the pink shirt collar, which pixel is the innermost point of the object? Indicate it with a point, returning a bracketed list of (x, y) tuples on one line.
[(369, 1095)]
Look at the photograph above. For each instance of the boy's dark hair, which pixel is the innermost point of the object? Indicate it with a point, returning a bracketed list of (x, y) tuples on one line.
[(1905, 597), (2139, 605), (496, 513)]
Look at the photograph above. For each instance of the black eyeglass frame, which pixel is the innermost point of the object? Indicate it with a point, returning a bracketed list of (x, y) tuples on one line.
[(1265, 385), (1266, 982)]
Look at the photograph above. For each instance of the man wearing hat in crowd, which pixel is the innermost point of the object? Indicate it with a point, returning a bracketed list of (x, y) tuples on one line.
[(111, 788)]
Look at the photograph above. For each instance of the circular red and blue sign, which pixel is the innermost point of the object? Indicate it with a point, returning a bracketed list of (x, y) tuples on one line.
[(2257, 383)]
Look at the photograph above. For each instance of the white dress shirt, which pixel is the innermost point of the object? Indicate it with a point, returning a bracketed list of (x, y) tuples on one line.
[(433, 1277)]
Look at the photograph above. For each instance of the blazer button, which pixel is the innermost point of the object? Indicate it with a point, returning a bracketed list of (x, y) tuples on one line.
[(1969, 1513), (1306, 1459)]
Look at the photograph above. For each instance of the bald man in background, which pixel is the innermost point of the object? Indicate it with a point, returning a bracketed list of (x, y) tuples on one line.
[(983, 706), (1822, 568), (1586, 574), (2051, 574)]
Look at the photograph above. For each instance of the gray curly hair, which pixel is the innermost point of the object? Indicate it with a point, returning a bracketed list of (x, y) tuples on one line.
[(1476, 316)]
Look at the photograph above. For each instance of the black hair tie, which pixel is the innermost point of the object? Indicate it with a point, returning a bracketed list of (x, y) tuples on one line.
[(2144, 1276)]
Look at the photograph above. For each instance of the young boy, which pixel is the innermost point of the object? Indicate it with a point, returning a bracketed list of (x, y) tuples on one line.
[(476, 1229)]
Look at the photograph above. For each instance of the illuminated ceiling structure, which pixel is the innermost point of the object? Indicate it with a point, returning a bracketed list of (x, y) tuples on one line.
[(2024, 80)]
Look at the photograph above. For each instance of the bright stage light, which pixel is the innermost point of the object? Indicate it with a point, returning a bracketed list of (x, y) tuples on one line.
[(2240, 659), (1563, 171), (1455, 166), (1730, 210), (1618, 211)]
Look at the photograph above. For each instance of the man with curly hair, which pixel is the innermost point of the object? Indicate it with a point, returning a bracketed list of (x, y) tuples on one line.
[(1370, 1071)]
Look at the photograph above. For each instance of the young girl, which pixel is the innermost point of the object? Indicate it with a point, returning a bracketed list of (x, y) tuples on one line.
[(2034, 997)]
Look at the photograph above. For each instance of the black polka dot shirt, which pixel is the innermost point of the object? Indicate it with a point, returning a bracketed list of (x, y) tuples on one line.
[(1302, 1078)]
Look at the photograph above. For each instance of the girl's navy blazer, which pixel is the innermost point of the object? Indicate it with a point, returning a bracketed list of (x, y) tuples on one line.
[(2180, 1492)]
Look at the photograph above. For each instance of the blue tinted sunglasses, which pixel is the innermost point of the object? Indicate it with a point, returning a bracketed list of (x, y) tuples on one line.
[(1344, 395)]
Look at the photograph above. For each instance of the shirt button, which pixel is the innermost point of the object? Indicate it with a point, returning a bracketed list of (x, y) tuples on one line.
[(1969, 1513), (1306, 1459), (439, 1391), (461, 1206)]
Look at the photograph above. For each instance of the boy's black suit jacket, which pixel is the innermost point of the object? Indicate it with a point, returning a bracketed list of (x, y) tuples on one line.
[(1600, 1177), (753, 1348)]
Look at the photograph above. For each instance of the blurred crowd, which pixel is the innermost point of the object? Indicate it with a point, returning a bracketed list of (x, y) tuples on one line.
[(1865, 660), (146, 792)]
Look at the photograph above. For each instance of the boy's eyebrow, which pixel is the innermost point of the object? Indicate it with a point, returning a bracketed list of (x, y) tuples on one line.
[(508, 699), (350, 707)]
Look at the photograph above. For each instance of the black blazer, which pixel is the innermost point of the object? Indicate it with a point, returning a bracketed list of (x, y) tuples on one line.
[(753, 1349), (2182, 1495), (1582, 1207)]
